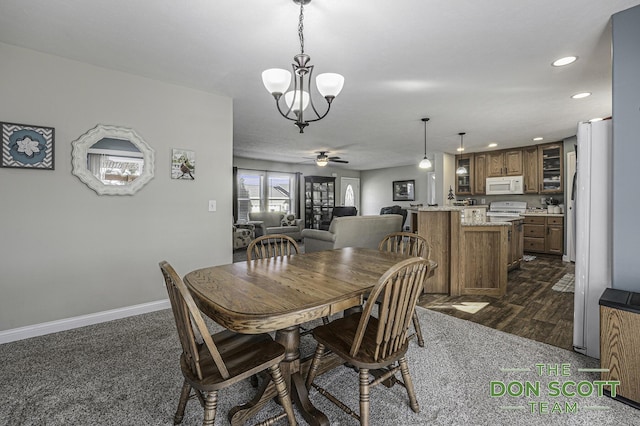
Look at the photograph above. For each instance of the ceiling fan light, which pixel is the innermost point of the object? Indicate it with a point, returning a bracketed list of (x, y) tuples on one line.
[(425, 163), (329, 84), (276, 80), (322, 162), (293, 98)]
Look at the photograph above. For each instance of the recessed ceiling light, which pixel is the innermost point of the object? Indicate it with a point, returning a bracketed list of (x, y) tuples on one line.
[(460, 149), (493, 145), (539, 138), (581, 95), (596, 119), (564, 61)]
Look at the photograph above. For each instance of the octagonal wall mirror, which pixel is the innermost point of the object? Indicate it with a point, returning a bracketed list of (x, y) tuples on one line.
[(112, 160)]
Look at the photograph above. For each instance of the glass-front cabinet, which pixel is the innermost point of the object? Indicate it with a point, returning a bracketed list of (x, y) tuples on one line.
[(319, 201), (464, 184), (550, 168)]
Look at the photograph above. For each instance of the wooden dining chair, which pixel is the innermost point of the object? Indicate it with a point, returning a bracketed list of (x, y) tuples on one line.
[(213, 362), (409, 244), (274, 245), (370, 343)]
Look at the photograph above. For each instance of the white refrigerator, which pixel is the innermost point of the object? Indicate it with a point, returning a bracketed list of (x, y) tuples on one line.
[(593, 212)]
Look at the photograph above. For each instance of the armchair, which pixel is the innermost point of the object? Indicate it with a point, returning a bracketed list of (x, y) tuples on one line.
[(243, 234), (268, 223)]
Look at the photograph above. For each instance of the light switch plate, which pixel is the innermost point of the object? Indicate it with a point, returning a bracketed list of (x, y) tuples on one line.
[(212, 205)]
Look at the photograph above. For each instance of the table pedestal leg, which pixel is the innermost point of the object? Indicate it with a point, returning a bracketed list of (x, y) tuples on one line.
[(290, 368)]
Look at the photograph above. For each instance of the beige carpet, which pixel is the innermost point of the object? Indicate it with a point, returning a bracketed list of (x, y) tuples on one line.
[(126, 372)]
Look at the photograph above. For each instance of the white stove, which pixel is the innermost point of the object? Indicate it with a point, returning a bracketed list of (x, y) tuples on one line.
[(507, 209)]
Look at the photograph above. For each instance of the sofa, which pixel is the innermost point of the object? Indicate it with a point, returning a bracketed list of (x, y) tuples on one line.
[(268, 223), (352, 231)]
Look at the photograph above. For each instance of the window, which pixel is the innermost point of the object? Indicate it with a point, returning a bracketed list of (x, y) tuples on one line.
[(349, 196), (266, 191)]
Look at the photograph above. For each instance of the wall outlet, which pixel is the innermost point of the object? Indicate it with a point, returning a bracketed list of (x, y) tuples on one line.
[(212, 205)]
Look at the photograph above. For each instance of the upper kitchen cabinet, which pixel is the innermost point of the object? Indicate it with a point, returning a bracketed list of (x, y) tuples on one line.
[(504, 163), (464, 182), (530, 163), (550, 168), (480, 176)]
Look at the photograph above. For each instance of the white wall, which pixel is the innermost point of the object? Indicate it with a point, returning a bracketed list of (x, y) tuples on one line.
[(376, 187), (66, 251)]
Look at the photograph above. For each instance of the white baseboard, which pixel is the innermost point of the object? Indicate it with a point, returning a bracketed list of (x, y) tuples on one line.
[(41, 329)]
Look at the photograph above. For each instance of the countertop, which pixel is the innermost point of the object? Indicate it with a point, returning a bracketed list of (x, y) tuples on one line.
[(486, 224), (542, 213)]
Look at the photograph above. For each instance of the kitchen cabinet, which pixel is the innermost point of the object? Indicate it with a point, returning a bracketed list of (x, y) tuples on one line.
[(504, 163), (530, 169), (544, 234), (319, 201), (516, 244), (472, 259), (480, 170), (464, 182), (550, 168), (554, 240)]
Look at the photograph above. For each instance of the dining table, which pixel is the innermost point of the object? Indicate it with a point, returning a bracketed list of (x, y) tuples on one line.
[(277, 295)]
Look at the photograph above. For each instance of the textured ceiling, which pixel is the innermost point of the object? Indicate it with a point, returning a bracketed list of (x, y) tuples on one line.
[(482, 67)]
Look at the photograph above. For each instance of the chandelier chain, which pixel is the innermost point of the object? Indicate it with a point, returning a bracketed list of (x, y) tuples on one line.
[(301, 27)]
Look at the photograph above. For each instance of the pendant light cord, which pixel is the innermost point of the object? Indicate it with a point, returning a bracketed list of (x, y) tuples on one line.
[(301, 27), (425, 138)]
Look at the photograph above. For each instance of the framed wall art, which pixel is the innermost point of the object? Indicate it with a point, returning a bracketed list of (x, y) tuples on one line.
[(404, 190), (183, 164), (27, 146)]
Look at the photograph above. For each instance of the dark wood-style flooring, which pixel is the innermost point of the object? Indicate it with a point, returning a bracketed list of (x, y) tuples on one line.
[(530, 308)]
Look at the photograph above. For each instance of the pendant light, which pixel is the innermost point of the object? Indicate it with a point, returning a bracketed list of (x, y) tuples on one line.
[(462, 170), (425, 163)]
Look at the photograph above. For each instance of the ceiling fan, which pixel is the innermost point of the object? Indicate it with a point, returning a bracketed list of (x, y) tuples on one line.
[(323, 159)]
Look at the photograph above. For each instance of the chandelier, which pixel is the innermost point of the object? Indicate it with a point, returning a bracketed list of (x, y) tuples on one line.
[(277, 81)]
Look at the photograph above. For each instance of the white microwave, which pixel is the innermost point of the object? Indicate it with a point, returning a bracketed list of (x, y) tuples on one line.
[(504, 185)]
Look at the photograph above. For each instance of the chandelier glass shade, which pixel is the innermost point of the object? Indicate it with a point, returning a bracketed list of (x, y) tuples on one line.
[(462, 170), (278, 81), (425, 163)]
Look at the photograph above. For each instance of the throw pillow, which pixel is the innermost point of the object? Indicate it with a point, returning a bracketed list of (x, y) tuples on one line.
[(288, 220)]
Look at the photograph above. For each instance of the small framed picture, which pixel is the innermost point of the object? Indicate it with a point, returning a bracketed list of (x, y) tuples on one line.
[(404, 190), (27, 146), (183, 164)]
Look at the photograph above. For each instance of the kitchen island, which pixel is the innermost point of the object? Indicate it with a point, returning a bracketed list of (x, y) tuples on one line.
[(472, 256)]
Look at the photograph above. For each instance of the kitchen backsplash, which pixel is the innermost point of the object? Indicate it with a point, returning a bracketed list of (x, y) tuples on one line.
[(532, 200)]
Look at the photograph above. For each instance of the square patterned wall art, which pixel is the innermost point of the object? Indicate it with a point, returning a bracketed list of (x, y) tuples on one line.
[(183, 164), (27, 146)]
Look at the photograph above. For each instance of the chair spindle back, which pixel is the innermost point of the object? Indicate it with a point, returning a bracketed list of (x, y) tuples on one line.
[(406, 243), (274, 245), (397, 293)]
